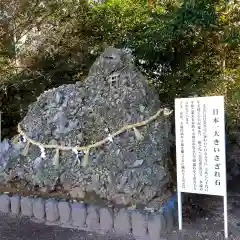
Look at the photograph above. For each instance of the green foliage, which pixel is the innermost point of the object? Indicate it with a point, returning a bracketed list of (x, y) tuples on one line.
[(184, 47)]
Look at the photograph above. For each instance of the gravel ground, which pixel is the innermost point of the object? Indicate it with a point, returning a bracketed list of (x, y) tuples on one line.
[(203, 216), (21, 228)]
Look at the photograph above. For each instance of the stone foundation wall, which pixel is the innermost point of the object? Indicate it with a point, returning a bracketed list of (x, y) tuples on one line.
[(142, 225)]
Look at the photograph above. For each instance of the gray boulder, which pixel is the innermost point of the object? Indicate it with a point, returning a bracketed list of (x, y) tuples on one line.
[(132, 167)]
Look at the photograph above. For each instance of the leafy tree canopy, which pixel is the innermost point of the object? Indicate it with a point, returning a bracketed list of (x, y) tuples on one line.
[(185, 47)]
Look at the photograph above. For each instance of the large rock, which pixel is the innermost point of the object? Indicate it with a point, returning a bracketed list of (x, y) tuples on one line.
[(114, 94)]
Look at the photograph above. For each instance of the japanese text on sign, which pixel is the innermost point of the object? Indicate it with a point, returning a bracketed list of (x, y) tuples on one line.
[(200, 145)]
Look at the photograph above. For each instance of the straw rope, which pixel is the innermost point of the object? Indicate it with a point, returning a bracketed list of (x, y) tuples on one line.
[(95, 145)]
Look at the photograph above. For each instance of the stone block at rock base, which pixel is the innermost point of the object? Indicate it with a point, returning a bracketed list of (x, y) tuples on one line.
[(92, 219), (15, 204), (4, 203), (106, 219), (39, 208), (64, 212), (156, 225), (52, 213), (169, 216), (139, 225), (79, 214), (27, 206), (122, 223)]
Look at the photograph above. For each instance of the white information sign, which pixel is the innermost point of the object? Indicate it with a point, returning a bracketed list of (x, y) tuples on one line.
[(200, 146)]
